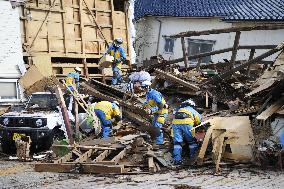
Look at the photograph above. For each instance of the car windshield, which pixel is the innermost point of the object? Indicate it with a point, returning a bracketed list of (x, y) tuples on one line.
[(43, 101)]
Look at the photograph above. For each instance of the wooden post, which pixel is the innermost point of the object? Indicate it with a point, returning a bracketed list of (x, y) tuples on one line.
[(251, 55), (184, 51), (76, 117), (199, 60), (206, 100), (64, 112), (235, 48)]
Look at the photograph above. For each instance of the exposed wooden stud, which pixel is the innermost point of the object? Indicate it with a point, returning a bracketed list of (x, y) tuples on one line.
[(235, 48), (63, 14), (251, 55), (64, 159), (85, 156), (119, 156), (151, 164), (199, 61), (44, 21), (185, 53), (102, 156)]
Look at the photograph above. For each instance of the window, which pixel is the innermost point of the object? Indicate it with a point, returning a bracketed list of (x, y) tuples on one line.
[(169, 45), (9, 90), (197, 46), (119, 5)]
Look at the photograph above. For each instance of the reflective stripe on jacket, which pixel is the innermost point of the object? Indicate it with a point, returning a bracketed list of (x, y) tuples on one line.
[(72, 78), (118, 54), (193, 118), (155, 100), (110, 109)]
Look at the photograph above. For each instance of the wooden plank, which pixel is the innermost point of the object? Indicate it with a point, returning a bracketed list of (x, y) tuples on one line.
[(44, 21), (102, 156), (227, 30), (94, 19), (86, 168), (176, 80), (64, 24), (235, 48), (271, 110), (65, 158), (184, 51), (119, 156), (84, 157), (151, 164), (204, 146)]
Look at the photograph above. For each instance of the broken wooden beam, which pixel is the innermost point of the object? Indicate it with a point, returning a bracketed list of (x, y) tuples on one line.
[(84, 168), (227, 30), (227, 74), (201, 55), (184, 51), (271, 110), (235, 48), (174, 79)]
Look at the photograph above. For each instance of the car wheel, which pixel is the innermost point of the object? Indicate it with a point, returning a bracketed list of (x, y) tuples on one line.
[(8, 147)]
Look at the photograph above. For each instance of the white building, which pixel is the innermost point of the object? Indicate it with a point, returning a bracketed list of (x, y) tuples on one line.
[(11, 57), (155, 19)]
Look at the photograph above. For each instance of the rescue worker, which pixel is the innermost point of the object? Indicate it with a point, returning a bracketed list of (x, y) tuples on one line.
[(155, 104), (186, 118), (109, 115), (72, 79), (72, 82), (117, 51)]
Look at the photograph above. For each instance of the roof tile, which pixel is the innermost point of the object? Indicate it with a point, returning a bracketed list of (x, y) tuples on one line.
[(228, 9)]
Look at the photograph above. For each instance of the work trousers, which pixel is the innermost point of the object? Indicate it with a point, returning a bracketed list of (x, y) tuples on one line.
[(158, 122), (182, 132), (106, 124), (117, 76)]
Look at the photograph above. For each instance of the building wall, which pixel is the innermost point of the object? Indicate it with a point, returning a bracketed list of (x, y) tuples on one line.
[(148, 32), (11, 56)]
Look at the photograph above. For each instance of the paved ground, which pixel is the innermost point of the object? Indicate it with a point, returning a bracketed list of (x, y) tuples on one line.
[(22, 175)]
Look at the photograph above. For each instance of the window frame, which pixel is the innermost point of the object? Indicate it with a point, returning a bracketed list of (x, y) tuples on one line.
[(18, 92), (200, 41), (168, 52)]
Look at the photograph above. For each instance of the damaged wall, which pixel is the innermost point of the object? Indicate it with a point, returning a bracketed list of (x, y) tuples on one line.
[(148, 32), (11, 57)]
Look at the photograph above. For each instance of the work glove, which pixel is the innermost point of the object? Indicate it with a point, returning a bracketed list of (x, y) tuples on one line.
[(166, 106), (149, 111)]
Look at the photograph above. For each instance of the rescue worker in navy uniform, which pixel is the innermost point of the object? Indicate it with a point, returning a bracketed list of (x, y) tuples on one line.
[(155, 104), (109, 115), (72, 82), (186, 118), (117, 51)]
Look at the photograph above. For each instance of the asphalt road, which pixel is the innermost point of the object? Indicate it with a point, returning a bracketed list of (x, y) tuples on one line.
[(21, 175)]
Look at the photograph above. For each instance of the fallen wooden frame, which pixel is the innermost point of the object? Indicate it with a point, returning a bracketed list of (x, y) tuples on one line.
[(227, 30), (174, 79), (201, 55)]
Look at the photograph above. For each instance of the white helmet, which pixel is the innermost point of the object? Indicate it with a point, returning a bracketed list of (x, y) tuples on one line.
[(189, 102), (117, 42), (77, 69), (115, 102), (146, 83)]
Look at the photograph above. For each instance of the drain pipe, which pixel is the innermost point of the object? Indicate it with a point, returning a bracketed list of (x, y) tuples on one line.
[(159, 35)]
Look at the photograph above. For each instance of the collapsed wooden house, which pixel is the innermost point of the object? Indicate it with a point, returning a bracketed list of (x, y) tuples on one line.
[(70, 33)]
